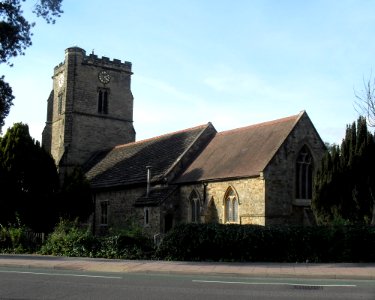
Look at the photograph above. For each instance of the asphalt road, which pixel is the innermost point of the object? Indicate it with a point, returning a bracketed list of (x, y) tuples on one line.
[(25, 283)]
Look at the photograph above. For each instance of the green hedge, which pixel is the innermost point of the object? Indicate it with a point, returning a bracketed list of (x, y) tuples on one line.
[(215, 242)]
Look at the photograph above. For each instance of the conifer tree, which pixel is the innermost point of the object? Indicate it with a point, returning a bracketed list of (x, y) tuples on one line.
[(28, 180), (344, 185)]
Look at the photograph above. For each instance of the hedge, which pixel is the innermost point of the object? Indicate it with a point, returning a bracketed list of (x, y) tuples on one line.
[(251, 243)]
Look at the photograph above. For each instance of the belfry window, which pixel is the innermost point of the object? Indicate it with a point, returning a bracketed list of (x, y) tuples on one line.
[(304, 166), (194, 207), (103, 101), (231, 206)]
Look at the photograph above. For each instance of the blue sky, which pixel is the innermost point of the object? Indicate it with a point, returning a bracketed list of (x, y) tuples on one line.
[(230, 62)]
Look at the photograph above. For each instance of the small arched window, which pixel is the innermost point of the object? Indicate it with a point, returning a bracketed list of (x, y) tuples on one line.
[(194, 207), (304, 166), (231, 206)]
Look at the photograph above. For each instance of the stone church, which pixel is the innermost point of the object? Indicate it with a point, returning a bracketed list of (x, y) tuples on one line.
[(259, 174)]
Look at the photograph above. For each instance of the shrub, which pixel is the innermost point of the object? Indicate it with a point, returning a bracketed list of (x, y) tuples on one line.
[(17, 238), (68, 239), (218, 242), (123, 246)]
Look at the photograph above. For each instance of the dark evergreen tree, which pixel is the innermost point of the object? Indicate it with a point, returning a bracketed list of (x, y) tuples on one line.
[(75, 196), (28, 180), (345, 183)]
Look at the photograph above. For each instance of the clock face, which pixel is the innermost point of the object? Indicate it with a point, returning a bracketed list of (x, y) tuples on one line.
[(60, 80), (104, 77)]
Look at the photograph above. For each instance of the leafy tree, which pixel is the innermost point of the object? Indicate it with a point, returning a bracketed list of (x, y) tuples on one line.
[(28, 180), (345, 182), (6, 100), (15, 38)]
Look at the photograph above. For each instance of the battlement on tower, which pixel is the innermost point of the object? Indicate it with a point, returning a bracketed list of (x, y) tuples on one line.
[(93, 59)]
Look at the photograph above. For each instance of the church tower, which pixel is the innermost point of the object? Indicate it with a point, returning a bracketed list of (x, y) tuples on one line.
[(90, 107)]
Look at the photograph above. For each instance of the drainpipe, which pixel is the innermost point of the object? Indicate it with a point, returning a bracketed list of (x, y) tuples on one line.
[(148, 168), (94, 214), (204, 192)]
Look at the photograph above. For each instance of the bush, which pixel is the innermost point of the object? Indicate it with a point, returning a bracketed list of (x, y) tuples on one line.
[(17, 238), (68, 239), (218, 242), (125, 247)]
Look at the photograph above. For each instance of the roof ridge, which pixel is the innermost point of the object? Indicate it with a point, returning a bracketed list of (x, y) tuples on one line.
[(266, 123), (177, 161), (163, 135), (297, 118)]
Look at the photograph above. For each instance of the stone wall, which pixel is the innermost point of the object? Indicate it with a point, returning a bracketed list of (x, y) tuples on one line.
[(250, 193), (74, 126), (120, 209), (280, 174), (122, 212)]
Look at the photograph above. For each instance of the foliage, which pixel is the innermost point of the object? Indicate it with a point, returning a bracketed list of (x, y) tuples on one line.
[(15, 38), (15, 30), (218, 242), (344, 185), (6, 100), (123, 246), (75, 199), (69, 239), (17, 238), (28, 180)]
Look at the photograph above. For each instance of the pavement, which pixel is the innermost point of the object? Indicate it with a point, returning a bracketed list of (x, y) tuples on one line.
[(360, 271)]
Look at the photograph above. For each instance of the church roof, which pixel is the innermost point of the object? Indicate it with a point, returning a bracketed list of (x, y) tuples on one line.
[(126, 164), (156, 196), (242, 152)]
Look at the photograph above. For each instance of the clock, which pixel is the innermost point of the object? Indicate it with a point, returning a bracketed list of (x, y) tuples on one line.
[(104, 77), (60, 80)]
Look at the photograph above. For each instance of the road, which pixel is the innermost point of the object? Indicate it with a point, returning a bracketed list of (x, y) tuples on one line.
[(26, 283)]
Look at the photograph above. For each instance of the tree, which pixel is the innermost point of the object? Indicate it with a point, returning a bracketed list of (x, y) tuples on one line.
[(365, 102), (6, 100), (29, 184), (28, 180), (75, 196), (344, 185), (15, 38)]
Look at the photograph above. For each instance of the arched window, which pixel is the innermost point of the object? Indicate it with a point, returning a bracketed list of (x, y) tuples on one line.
[(194, 207), (304, 166), (231, 206)]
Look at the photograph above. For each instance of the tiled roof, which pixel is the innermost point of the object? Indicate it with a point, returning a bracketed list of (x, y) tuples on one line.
[(242, 152), (156, 196), (126, 164)]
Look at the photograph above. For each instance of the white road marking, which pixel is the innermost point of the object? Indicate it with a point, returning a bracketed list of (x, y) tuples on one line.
[(275, 283), (62, 274)]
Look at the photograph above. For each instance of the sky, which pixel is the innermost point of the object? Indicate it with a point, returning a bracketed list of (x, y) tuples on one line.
[(230, 62)]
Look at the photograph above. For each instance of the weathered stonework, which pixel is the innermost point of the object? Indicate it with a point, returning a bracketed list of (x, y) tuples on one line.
[(250, 193), (256, 165), (280, 174), (74, 128), (120, 211)]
